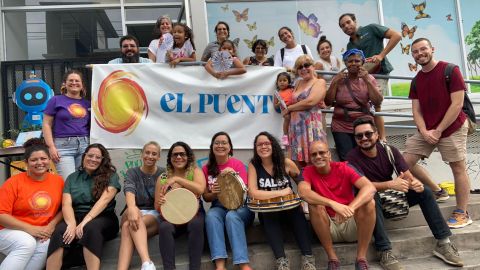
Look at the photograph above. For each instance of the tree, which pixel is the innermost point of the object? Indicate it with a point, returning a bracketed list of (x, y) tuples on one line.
[(473, 40)]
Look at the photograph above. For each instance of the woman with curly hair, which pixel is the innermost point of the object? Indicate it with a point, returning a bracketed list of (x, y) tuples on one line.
[(181, 173), (270, 175), (88, 208)]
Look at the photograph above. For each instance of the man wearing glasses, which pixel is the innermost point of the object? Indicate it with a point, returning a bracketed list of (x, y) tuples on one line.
[(336, 214), (371, 158), (129, 46)]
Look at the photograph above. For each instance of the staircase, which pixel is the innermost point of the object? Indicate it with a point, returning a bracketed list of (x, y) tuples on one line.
[(411, 239)]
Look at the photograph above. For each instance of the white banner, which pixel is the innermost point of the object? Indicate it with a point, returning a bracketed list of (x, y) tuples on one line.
[(136, 103)]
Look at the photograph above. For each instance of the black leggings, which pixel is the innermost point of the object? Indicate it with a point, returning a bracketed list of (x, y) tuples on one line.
[(167, 232), (272, 225)]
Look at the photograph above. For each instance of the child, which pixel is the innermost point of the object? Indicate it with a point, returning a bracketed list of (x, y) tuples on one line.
[(285, 90), (237, 66), (183, 49)]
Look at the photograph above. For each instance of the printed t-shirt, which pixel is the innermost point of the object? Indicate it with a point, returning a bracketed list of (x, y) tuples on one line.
[(71, 117), (233, 163), (31, 201)]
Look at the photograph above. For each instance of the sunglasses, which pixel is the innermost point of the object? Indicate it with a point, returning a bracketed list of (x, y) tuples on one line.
[(367, 134), (179, 154), (305, 65), (318, 153)]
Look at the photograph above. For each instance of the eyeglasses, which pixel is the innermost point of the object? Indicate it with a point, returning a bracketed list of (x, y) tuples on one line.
[(305, 65), (94, 157), (263, 144), (367, 134), (319, 153), (179, 154), (220, 143)]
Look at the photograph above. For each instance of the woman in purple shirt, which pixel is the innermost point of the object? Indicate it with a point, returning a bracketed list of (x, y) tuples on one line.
[(66, 124)]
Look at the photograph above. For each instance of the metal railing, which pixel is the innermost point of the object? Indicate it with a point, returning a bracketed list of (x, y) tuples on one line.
[(52, 71)]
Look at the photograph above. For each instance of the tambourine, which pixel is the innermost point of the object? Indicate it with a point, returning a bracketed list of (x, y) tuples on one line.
[(232, 190), (180, 206), (274, 204)]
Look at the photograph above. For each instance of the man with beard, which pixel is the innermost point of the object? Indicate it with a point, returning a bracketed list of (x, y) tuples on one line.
[(129, 46), (441, 122), (371, 158), (336, 214), (369, 39)]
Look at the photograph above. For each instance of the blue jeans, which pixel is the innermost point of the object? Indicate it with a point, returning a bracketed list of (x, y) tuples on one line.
[(344, 142), (70, 150), (235, 222), (430, 210)]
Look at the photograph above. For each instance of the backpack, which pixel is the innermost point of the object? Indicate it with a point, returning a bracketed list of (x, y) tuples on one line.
[(282, 51), (467, 104)]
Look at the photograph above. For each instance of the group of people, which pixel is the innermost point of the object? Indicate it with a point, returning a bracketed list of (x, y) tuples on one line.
[(44, 220)]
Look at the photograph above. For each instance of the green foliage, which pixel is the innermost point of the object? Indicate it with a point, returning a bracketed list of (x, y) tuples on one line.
[(401, 89), (474, 87), (473, 40)]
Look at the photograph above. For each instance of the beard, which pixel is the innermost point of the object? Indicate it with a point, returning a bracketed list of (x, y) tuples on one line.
[(367, 148), (131, 59)]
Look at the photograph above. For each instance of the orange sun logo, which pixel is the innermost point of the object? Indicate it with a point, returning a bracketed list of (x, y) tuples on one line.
[(120, 104), (76, 110), (40, 201)]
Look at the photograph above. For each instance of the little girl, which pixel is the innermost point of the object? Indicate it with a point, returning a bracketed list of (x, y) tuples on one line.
[(183, 49), (285, 91), (237, 67)]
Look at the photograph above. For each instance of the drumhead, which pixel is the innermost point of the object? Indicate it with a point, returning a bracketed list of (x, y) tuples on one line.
[(180, 206), (232, 190)]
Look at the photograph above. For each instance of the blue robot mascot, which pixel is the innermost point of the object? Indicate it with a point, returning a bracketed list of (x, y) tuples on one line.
[(32, 97)]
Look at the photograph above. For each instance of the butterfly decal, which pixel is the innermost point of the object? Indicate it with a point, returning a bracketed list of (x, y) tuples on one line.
[(405, 49), (406, 31), (420, 9), (241, 16), (309, 25), (271, 43), (236, 42), (250, 42), (225, 8), (449, 17), (412, 67), (252, 26)]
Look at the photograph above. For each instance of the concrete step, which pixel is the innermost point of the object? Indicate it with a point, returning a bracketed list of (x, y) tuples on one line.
[(255, 234), (413, 247), (470, 260), (411, 238)]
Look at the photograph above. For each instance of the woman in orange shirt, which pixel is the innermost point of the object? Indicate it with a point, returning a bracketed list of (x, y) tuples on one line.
[(29, 210)]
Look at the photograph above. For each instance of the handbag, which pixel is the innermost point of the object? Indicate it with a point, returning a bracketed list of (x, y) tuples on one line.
[(394, 203)]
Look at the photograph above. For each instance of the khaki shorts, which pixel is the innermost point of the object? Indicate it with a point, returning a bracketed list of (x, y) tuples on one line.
[(344, 232), (452, 148)]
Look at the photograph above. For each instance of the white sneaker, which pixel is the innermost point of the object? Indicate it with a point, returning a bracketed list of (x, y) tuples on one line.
[(148, 266)]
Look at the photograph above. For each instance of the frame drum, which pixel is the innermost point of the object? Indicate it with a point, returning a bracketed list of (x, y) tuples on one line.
[(180, 206), (232, 190)]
